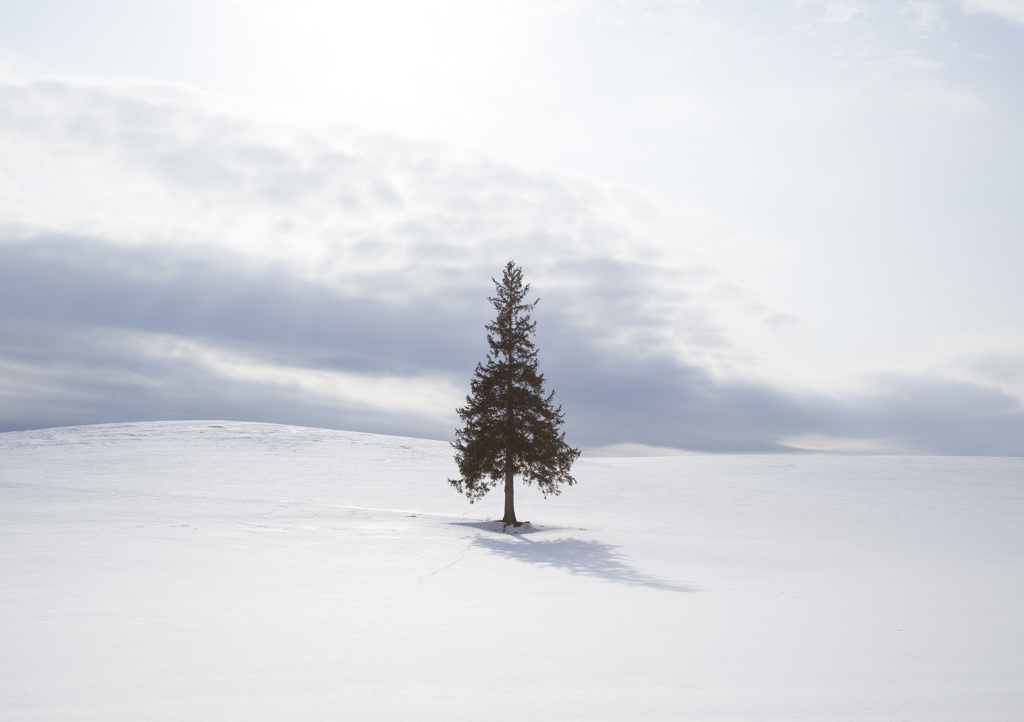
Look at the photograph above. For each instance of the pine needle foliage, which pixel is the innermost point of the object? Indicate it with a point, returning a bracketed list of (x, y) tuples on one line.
[(510, 428)]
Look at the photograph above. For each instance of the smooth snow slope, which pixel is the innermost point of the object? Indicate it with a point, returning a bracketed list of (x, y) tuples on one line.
[(231, 571)]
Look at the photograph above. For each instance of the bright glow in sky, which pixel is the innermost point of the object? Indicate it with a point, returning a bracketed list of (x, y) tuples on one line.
[(830, 187)]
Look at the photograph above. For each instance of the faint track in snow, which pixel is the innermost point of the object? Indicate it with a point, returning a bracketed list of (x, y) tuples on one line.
[(407, 512), (461, 556)]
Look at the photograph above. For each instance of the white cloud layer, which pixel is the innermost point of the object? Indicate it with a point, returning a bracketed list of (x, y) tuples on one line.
[(371, 216), (427, 398), (1012, 10)]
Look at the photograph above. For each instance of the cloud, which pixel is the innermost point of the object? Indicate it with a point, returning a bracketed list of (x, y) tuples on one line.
[(164, 256), (925, 17), (1012, 10), (937, 415)]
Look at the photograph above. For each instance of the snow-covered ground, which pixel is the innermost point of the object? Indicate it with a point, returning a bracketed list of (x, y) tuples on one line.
[(233, 571)]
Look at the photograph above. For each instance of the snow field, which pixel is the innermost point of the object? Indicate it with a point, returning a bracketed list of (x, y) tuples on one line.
[(234, 571)]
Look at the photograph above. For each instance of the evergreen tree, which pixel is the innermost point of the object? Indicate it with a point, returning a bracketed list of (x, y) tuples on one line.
[(510, 427)]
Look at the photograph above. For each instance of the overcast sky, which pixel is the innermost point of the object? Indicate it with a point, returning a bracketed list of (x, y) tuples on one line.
[(753, 225)]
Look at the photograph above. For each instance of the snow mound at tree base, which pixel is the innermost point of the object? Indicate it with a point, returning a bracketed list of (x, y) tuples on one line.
[(519, 527)]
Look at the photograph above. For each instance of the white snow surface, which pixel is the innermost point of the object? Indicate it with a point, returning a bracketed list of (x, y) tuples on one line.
[(239, 571)]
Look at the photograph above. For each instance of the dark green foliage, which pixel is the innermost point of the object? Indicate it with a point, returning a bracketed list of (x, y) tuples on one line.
[(510, 427)]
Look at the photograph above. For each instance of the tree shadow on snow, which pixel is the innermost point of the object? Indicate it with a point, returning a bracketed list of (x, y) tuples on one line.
[(586, 558)]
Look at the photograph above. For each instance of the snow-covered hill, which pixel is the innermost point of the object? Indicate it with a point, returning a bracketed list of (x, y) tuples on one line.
[(234, 571)]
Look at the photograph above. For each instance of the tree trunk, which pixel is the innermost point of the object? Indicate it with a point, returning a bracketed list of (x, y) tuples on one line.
[(510, 508)]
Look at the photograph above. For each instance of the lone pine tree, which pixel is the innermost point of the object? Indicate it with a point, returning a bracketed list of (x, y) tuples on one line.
[(510, 427)]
